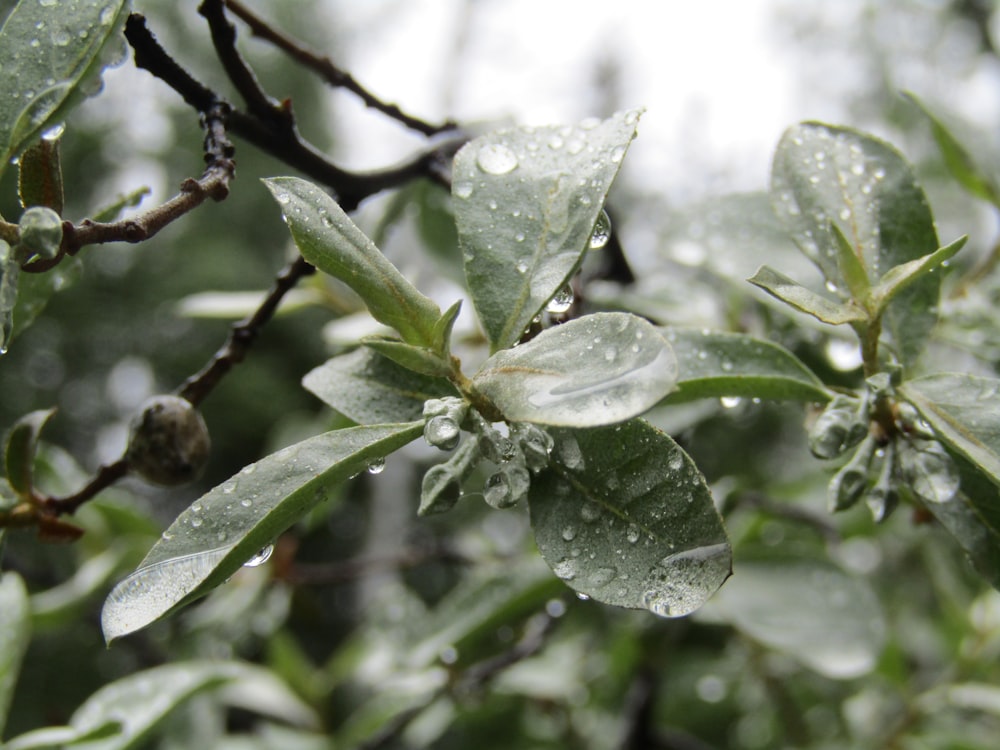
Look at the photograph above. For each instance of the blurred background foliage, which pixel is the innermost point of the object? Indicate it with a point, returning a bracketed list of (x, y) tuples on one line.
[(378, 620)]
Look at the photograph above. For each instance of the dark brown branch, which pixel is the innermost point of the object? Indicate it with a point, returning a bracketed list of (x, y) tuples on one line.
[(106, 476), (334, 76), (149, 55), (243, 335)]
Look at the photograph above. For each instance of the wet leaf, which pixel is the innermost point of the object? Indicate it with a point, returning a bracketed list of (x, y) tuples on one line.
[(624, 516), (19, 451), (223, 529), (137, 705), (52, 55), (599, 369), (39, 176), (964, 411), (15, 632), (418, 359), (899, 277), (807, 608), (328, 239), (715, 364), (805, 300), (367, 388), (526, 201), (824, 175)]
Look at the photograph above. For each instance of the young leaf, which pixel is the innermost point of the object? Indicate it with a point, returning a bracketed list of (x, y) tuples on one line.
[(824, 175), (417, 359), (964, 411), (210, 540), (852, 270), (19, 451), (805, 300), (599, 369), (52, 56), (15, 632), (367, 388), (328, 239), (624, 516), (899, 277), (714, 364), (964, 167), (807, 608), (526, 201)]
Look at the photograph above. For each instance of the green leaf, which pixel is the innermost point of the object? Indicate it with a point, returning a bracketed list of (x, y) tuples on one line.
[(35, 289), (418, 359), (52, 56), (526, 201), (824, 175), (113, 210), (19, 451), (964, 411), (624, 516), (807, 608), (972, 517), (805, 300), (444, 327), (367, 388), (899, 277), (61, 603), (964, 167), (223, 529), (715, 364), (599, 369), (15, 632), (53, 738), (328, 239), (852, 270), (141, 702), (10, 272)]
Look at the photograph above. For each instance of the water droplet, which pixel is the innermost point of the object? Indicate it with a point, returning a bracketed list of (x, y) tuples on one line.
[(376, 466), (616, 154), (561, 302), (283, 197), (61, 37), (522, 267), (569, 533), (442, 432), (565, 569), (196, 522), (519, 237), (261, 557), (246, 502), (633, 533), (48, 3), (495, 158), (602, 231), (730, 402), (930, 471), (682, 582), (555, 143), (590, 511), (568, 453), (107, 15), (602, 576), (463, 189)]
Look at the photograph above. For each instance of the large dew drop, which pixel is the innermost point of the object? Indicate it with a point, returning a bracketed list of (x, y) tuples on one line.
[(561, 302), (261, 557), (602, 231), (495, 158), (682, 582)]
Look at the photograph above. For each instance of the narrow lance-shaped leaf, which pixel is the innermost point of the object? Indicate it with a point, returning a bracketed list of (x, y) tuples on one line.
[(39, 175), (19, 452), (806, 300), (223, 529), (968, 170), (52, 55), (328, 239), (899, 277), (526, 202), (367, 388), (964, 411), (825, 175), (714, 364), (599, 369), (15, 632), (624, 516)]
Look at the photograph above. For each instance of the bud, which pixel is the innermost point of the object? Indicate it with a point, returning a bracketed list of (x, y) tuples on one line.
[(169, 443)]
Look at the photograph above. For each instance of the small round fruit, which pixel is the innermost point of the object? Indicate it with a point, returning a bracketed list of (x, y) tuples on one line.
[(169, 442)]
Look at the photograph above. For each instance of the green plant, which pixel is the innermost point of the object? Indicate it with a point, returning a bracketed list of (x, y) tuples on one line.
[(552, 406)]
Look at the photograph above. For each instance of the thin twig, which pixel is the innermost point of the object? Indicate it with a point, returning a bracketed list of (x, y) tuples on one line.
[(243, 334), (333, 75), (345, 571), (104, 478)]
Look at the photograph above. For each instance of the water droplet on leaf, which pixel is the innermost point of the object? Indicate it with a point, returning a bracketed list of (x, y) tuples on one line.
[(376, 466), (261, 557), (497, 159), (561, 302)]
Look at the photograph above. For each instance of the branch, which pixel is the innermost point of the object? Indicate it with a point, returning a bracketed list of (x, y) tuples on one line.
[(106, 476), (243, 334), (326, 69)]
